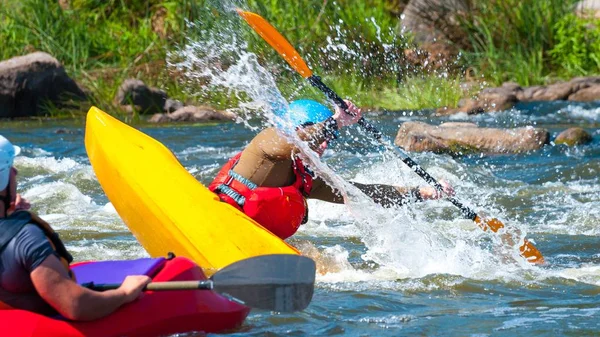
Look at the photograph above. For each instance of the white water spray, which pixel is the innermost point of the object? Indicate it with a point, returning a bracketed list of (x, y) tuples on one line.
[(402, 240)]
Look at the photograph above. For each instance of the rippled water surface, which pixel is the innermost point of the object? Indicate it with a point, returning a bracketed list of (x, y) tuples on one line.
[(414, 270)]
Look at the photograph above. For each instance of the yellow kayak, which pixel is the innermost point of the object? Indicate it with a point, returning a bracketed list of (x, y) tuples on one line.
[(164, 206)]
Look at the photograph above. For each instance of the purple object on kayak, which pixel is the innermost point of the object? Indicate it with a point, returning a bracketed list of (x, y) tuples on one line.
[(102, 272)]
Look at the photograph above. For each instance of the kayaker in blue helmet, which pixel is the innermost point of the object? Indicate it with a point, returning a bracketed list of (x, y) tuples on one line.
[(35, 273), (270, 183)]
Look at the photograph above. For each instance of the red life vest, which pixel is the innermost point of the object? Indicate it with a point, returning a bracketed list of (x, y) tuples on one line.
[(281, 210)]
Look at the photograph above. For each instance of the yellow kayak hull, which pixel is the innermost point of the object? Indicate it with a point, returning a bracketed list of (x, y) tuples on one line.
[(164, 206)]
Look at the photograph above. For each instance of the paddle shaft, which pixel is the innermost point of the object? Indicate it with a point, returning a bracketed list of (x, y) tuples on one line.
[(317, 83), (160, 286), (287, 51), (528, 250)]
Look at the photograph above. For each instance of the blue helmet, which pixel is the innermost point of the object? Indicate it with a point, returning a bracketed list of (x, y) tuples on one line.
[(305, 111)]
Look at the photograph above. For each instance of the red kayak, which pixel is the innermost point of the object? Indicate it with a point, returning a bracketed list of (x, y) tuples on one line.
[(157, 313)]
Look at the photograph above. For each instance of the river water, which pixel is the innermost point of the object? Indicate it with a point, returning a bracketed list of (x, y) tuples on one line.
[(413, 270)]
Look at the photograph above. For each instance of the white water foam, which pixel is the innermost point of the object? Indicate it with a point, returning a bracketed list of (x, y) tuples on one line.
[(67, 208), (592, 114), (405, 242)]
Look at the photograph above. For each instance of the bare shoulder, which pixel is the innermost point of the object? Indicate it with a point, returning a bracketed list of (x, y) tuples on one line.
[(272, 143), (269, 134)]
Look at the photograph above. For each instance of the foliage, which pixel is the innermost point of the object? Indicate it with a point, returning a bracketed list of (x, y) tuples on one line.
[(576, 50), (353, 44), (524, 40), (336, 36)]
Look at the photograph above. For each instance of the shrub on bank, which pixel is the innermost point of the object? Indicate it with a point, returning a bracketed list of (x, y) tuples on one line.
[(354, 44)]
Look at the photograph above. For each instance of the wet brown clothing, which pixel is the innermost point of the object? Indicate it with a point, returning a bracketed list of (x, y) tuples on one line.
[(268, 162)]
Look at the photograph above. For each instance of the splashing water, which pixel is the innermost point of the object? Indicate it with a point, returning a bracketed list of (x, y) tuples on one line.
[(403, 271), (403, 240), (412, 270)]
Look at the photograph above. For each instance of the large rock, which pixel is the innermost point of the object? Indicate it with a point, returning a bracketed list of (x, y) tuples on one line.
[(135, 94), (587, 94), (431, 57), (172, 105), (558, 91), (432, 20), (467, 138), (193, 114), (573, 136), (28, 82), (588, 8), (489, 100)]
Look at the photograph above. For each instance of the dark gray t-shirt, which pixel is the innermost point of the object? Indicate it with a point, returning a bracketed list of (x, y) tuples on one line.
[(25, 252)]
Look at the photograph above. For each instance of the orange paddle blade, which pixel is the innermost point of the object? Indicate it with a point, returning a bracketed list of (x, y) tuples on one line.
[(277, 41), (493, 224), (530, 253), (528, 250)]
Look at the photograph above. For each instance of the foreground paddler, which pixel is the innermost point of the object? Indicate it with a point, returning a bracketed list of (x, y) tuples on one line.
[(269, 182), (35, 273)]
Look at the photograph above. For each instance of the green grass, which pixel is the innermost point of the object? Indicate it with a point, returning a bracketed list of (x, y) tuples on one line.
[(414, 93), (353, 44), (100, 43), (576, 49), (529, 41)]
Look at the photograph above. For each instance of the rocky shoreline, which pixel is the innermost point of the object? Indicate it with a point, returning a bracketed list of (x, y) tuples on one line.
[(29, 82), (580, 89)]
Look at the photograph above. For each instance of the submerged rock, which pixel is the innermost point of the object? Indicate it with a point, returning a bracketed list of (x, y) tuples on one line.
[(573, 136), (29, 82), (468, 138), (192, 113)]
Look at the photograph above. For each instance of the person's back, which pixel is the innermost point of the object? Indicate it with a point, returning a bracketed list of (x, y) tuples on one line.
[(34, 264), (21, 255)]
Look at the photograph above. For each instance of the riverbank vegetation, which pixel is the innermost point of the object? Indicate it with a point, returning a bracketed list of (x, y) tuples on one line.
[(357, 46), (529, 42)]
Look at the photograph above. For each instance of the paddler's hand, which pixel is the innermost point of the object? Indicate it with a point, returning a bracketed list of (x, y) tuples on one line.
[(133, 286), (20, 203), (345, 119), (430, 193)]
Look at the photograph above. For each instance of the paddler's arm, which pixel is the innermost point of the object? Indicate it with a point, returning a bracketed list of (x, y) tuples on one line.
[(276, 146), (75, 302), (385, 195), (388, 196)]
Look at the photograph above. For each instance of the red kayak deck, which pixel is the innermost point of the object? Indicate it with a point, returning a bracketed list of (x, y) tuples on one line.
[(154, 314)]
